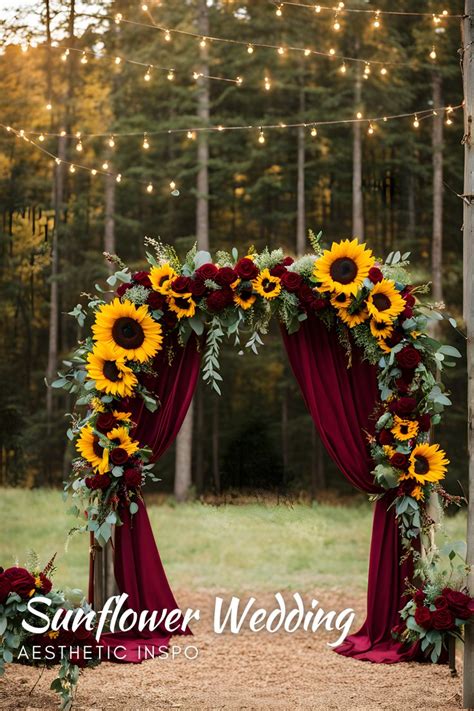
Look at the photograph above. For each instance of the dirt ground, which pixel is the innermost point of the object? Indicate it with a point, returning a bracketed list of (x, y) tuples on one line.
[(248, 671)]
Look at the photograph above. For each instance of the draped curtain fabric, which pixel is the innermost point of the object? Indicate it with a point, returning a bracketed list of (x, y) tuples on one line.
[(138, 568), (341, 400)]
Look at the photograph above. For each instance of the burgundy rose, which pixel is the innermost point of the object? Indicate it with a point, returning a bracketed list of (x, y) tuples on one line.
[(278, 270), (246, 269), (419, 597), (287, 261), (398, 630), (169, 319), (46, 584), (105, 422), (405, 487), (424, 422), (142, 278), (207, 271), (218, 300), (133, 478), (443, 619), (406, 313), (156, 301), (423, 617), (225, 276), (318, 304), (440, 603), (21, 581), (403, 406), (396, 337), (5, 588), (181, 285), (375, 275), (408, 357), (385, 437), (123, 288), (118, 456), (291, 281), (408, 298), (402, 385), (460, 604), (305, 294), (98, 481), (198, 288), (399, 460)]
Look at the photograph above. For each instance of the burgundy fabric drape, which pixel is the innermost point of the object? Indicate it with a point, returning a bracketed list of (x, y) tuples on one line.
[(138, 568), (341, 401)]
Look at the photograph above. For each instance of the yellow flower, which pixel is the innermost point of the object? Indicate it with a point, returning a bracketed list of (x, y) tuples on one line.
[(96, 404), (38, 582), (383, 345), (122, 416), (427, 463), (52, 634), (404, 429), (389, 451), (129, 331), (119, 437), (267, 285), (341, 301), (110, 372), (384, 302), (356, 317), (161, 278), (244, 299), (183, 305), (418, 493), (344, 267), (380, 329), (415, 334), (90, 449)]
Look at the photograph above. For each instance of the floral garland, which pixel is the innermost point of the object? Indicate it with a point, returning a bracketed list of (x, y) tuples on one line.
[(370, 303)]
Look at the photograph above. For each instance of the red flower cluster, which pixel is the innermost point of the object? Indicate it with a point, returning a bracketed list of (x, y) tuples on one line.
[(449, 606), (23, 583)]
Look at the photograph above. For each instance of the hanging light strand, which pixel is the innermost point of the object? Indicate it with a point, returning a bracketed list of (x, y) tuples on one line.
[(400, 13)]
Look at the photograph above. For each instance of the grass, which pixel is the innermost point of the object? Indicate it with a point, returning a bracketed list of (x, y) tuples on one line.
[(238, 548)]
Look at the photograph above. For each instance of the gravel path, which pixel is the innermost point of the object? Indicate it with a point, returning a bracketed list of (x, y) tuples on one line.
[(247, 671)]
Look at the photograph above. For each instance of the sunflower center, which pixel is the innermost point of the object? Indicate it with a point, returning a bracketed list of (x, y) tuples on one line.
[(163, 280), (379, 326), (110, 371), (404, 429), (343, 270), (267, 285), (421, 465), (381, 302), (128, 333), (98, 450), (341, 298), (245, 295), (181, 302)]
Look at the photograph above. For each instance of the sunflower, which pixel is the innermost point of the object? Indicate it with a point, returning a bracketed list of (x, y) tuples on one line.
[(380, 329), (418, 493), (384, 302), (129, 331), (427, 463), (110, 371), (90, 449), (122, 416), (97, 405), (344, 267), (404, 429), (244, 299), (388, 451), (341, 301), (120, 438), (267, 285), (355, 316), (383, 345), (161, 278), (183, 305)]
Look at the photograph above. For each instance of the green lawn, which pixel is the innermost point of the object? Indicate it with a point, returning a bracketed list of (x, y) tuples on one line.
[(247, 547)]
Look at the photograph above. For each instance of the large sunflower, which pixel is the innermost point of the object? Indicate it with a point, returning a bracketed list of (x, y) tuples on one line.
[(427, 463), (110, 371), (404, 429), (129, 331), (244, 298), (267, 285), (344, 267), (384, 302), (88, 446), (120, 438), (183, 305), (380, 329), (355, 316), (341, 300), (161, 278)]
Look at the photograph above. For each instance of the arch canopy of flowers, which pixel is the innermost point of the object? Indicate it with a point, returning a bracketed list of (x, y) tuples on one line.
[(370, 303)]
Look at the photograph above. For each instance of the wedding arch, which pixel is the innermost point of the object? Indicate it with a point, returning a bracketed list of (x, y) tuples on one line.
[(355, 332)]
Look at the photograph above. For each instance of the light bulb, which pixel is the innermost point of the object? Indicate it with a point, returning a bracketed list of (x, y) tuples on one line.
[(317, 8), (171, 75), (433, 54), (332, 52), (383, 71), (370, 130), (239, 81), (220, 128), (41, 137), (172, 185), (65, 55), (24, 47), (448, 121), (307, 52), (191, 135), (314, 131), (49, 106), (359, 115), (416, 123), (118, 18), (367, 69), (118, 178), (250, 49), (279, 11), (202, 43), (261, 137), (72, 169), (93, 171), (145, 8), (149, 188), (57, 161), (343, 68), (111, 142), (376, 22), (145, 144), (147, 75), (84, 58), (281, 50), (79, 147), (336, 26), (168, 36), (118, 60), (62, 133), (268, 84), (105, 165)]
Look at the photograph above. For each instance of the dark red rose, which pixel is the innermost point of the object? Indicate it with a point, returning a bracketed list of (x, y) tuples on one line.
[(318, 304), (5, 588), (402, 385), (278, 270), (405, 487), (246, 269), (156, 301), (419, 597), (46, 584), (207, 271), (461, 605), (407, 375), (169, 319), (398, 630), (225, 276), (385, 437), (396, 337), (21, 581), (423, 617), (442, 619), (122, 289), (118, 456), (305, 294), (198, 287), (218, 300), (181, 285), (291, 281), (440, 603), (105, 422), (287, 261), (406, 313), (424, 422), (98, 481), (409, 299), (408, 357), (142, 278), (403, 406), (375, 275), (399, 460), (133, 478)]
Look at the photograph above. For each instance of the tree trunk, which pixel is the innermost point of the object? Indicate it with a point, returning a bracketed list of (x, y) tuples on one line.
[(215, 446), (437, 147), (109, 231), (300, 191), (284, 435), (203, 111), (357, 197), (183, 468)]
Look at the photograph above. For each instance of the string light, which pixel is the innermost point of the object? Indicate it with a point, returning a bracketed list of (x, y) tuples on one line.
[(118, 60), (93, 171), (111, 142), (118, 18), (359, 115), (376, 22), (84, 59), (343, 68), (341, 5), (314, 131), (149, 188), (239, 81), (171, 75), (41, 137), (145, 144), (168, 36), (49, 106), (317, 8), (279, 11), (366, 70), (268, 84), (281, 50), (57, 161), (147, 75), (448, 121), (118, 178), (145, 8), (72, 169), (105, 165), (65, 55), (307, 52), (332, 52), (79, 147), (383, 71), (336, 25), (416, 123), (172, 185), (203, 43), (370, 130), (261, 136), (250, 49), (191, 135), (433, 53)]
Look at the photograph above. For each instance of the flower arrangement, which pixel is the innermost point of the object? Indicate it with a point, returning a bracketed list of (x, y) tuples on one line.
[(17, 587), (370, 303)]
